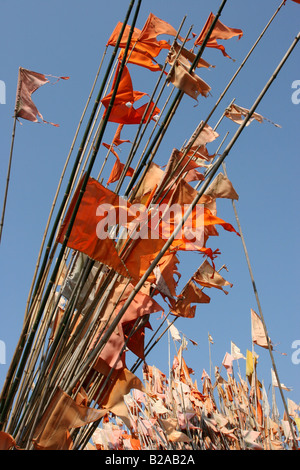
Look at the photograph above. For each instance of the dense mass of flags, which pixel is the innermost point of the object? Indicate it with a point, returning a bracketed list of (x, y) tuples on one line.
[(88, 331)]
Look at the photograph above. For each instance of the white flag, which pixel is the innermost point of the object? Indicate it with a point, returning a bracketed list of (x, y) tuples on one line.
[(275, 382), (236, 352), (174, 332)]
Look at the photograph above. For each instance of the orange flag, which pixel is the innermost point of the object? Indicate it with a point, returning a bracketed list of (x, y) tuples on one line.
[(220, 31), (112, 41), (144, 46), (114, 400), (141, 306), (7, 442), (28, 83), (186, 57), (178, 163), (123, 111), (199, 219), (154, 27), (190, 294), (221, 187), (198, 141), (117, 168), (62, 414), (117, 137), (85, 235), (206, 276), (142, 58), (150, 179), (188, 82)]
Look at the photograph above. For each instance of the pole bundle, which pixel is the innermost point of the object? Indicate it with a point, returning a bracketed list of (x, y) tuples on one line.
[(76, 308)]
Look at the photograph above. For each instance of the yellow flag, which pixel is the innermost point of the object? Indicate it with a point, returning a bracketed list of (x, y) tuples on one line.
[(250, 363)]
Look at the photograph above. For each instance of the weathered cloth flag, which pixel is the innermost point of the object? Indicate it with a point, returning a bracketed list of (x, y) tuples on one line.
[(28, 83)]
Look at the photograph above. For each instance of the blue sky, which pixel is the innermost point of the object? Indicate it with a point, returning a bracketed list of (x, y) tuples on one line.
[(68, 39)]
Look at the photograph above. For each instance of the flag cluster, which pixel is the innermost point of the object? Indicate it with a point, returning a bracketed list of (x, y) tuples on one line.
[(123, 261)]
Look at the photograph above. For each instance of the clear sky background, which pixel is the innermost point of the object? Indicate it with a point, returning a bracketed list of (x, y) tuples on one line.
[(68, 38)]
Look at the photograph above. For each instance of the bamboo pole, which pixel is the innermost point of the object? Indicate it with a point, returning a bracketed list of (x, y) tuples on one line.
[(201, 127), (61, 179), (260, 308), (8, 175), (189, 211), (80, 150), (137, 141), (175, 101), (10, 155), (52, 279), (23, 336)]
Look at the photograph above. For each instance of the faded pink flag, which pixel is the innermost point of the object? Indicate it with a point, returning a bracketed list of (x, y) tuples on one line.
[(28, 83), (258, 332), (227, 363)]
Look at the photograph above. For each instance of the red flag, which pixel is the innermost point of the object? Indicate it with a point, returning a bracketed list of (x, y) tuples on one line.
[(28, 83)]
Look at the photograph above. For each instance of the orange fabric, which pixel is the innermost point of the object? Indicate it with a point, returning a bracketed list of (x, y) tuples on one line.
[(175, 165), (140, 42), (142, 58), (114, 401), (62, 414), (221, 187), (170, 425), (83, 236), (144, 45), (210, 219), (187, 57), (141, 256), (136, 342), (184, 194), (188, 82), (154, 27), (237, 114), (141, 306), (7, 442), (206, 276), (207, 135), (220, 31), (190, 294), (150, 179), (117, 137), (167, 269), (135, 443), (112, 41), (122, 110), (117, 168)]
